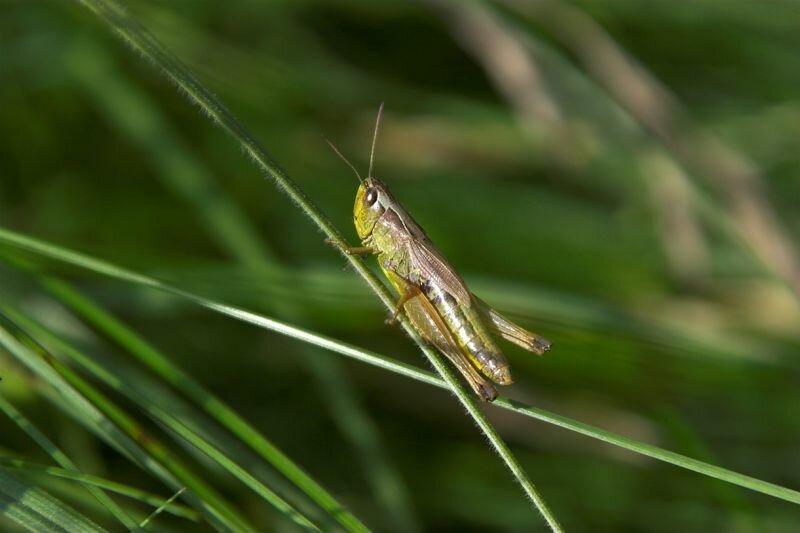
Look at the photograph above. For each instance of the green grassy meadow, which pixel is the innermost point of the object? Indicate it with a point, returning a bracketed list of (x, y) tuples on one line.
[(619, 176)]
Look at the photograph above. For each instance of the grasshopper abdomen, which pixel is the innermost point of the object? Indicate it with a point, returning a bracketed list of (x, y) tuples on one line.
[(469, 331)]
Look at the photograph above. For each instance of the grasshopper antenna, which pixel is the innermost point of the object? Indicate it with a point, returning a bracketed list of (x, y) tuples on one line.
[(374, 138), (349, 164)]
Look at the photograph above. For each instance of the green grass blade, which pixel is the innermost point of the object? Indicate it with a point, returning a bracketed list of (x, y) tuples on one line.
[(174, 424), (654, 452), (735, 502), (115, 426), (36, 510), (392, 365), (161, 508), (61, 458), (160, 364), (94, 481), (152, 408), (139, 119), (344, 406), (140, 40)]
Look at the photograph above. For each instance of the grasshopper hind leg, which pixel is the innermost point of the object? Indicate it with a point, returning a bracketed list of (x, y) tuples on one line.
[(404, 297), (510, 331), (431, 327), (425, 319)]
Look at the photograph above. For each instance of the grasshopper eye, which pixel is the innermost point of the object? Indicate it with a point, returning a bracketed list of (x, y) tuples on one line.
[(372, 196)]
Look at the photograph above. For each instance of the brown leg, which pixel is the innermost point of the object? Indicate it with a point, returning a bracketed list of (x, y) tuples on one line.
[(510, 331), (406, 296), (426, 320)]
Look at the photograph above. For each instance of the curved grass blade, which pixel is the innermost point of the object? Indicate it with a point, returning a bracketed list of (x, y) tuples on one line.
[(36, 510), (736, 503), (161, 508), (213, 405), (178, 427), (93, 409), (152, 408), (105, 484), (387, 363), (61, 458)]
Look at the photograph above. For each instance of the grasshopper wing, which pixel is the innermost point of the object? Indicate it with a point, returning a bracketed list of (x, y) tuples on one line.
[(510, 331), (434, 267), (427, 260)]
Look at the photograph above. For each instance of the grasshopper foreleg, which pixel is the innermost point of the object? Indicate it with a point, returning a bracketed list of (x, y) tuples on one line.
[(352, 250)]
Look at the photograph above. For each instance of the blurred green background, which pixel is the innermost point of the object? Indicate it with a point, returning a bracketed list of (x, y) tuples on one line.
[(620, 176)]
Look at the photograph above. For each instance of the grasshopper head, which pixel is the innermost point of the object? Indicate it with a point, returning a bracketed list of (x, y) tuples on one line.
[(370, 205), (372, 198)]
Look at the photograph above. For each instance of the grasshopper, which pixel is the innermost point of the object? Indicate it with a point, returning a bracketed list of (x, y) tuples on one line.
[(433, 296)]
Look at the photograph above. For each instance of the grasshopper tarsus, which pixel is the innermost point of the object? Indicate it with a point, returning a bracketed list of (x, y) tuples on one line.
[(541, 345), (392, 320), (487, 393)]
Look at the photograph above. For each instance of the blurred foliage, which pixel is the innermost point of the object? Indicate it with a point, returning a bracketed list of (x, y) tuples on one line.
[(668, 326)]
